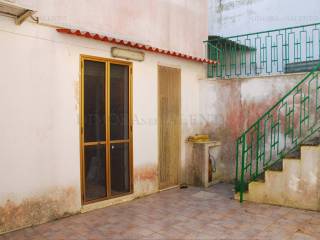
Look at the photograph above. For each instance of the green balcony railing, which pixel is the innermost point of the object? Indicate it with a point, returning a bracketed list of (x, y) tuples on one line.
[(279, 131), (293, 49)]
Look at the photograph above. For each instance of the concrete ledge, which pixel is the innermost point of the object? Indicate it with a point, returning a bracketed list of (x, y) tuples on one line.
[(262, 77)]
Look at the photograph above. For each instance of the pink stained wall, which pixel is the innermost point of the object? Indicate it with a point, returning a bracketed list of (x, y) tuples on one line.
[(179, 25), (229, 107)]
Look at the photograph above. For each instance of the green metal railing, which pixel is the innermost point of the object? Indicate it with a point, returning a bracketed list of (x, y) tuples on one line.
[(279, 131), (264, 53)]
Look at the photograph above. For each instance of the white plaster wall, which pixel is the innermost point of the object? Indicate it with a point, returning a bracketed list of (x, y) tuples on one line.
[(234, 17), (39, 102), (39, 105), (229, 107), (179, 25)]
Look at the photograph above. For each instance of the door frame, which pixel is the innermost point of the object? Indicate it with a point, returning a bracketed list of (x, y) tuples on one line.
[(107, 61), (180, 129)]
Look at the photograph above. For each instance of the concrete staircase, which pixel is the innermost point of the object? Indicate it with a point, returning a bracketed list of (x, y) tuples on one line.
[(292, 182)]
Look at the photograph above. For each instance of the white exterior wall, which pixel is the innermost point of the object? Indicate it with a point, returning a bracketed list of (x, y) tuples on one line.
[(234, 17), (39, 100), (179, 25)]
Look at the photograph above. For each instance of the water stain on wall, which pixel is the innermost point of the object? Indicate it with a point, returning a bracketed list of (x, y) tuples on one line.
[(145, 180), (36, 210), (231, 109)]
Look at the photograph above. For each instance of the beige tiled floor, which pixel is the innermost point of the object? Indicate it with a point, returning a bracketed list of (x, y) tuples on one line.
[(192, 213)]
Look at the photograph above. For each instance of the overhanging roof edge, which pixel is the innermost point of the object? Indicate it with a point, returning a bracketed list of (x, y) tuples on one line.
[(132, 44)]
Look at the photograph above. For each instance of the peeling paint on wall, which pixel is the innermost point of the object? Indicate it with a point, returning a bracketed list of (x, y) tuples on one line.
[(35, 210)]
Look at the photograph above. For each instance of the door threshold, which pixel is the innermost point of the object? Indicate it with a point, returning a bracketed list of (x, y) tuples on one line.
[(107, 203), (168, 188)]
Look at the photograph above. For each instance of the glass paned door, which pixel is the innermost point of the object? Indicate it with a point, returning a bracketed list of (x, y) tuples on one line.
[(119, 128), (94, 120), (119, 102), (106, 144)]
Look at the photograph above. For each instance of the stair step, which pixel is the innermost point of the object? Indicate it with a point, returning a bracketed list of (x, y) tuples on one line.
[(277, 166), (296, 154), (312, 142), (260, 178)]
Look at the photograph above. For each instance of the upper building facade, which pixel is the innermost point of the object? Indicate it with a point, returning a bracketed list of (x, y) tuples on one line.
[(179, 25), (233, 17)]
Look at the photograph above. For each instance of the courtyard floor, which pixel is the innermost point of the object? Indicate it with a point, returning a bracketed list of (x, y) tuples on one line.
[(192, 213)]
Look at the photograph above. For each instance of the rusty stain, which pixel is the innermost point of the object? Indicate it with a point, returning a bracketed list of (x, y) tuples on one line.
[(145, 180), (36, 210), (146, 173)]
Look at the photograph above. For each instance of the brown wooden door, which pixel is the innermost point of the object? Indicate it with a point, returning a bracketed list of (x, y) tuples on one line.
[(169, 100)]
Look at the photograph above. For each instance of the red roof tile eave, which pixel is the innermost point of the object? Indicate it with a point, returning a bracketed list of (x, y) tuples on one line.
[(133, 45)]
